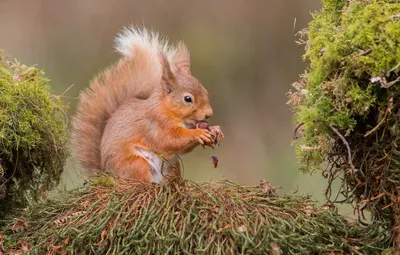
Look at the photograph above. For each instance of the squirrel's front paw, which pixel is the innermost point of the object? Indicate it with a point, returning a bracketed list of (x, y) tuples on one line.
[(217, 134), (203, 136)]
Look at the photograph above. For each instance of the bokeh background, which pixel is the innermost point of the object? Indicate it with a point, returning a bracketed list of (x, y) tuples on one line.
[(242, 51)]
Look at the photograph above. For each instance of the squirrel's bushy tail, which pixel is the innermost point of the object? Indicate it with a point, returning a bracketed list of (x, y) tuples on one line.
[(134, 75)]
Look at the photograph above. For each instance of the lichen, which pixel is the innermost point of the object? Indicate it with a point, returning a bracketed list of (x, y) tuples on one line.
[(351, 88), (33, 135)]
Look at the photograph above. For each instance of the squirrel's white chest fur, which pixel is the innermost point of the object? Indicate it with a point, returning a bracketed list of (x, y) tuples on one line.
[(159, 168)]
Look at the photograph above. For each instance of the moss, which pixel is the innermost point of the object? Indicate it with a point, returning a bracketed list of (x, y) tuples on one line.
[(33, 135), (188, 218), (352, 87), (103, 180)]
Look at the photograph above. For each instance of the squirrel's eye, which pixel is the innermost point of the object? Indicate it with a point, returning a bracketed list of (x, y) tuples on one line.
[(188, 99)]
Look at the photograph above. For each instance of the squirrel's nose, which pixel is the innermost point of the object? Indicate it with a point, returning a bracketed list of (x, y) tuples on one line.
[(209, 113)]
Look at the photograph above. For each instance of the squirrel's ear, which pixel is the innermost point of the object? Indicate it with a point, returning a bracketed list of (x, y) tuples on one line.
[(167, 77), (181, 61)]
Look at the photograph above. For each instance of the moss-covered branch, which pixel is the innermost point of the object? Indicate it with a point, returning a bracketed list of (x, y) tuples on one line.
[(33, 135), (353, 87)]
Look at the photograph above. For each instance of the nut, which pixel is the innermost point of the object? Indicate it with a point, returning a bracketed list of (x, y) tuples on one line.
[(203, 125)]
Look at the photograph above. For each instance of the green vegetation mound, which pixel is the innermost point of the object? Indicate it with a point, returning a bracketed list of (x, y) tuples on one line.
[(347, 104), (33, 136), (106, 217)]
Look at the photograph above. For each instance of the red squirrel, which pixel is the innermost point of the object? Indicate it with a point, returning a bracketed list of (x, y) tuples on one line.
[(143, 111)]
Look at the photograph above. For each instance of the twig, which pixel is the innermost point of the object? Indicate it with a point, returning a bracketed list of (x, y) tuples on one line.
[(363, 52), (387, 206), (395, 16), (391, 83), (372, 198), (67, 90), (391, 70), (350, 160), (377, 126), (296, 128), (388, 108)]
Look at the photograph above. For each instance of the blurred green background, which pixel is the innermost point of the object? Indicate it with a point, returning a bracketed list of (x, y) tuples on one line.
[(242, 51)]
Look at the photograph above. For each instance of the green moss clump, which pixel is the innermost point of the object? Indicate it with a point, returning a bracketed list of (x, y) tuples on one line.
[(104, 180), (352, 88), (187, 218), (33, 136)]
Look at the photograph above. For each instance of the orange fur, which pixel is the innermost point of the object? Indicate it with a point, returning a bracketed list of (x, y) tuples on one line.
[(142, 170), (138, 108)]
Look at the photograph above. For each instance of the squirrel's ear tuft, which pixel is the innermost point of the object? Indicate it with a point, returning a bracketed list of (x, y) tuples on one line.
[(167, 77), (181, 59)]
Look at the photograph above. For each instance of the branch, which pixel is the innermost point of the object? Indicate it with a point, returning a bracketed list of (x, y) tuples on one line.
[(296, 128), (350, 160)]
